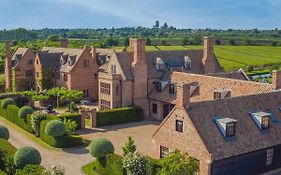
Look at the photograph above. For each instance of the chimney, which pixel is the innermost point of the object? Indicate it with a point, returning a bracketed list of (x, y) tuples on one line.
[(64, 42), (209, 60), (183, 95), (138, 48), (93, 51), (8, 72), (276, 79)]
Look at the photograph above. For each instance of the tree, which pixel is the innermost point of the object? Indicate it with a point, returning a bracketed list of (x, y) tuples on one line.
[(54, 38), (184, 41), (100, 147), (148, 41), (129, 147), (28, 94), (71, 95), (57, 92), (249, 68), (178, 163), (126, 41), (232, 42)]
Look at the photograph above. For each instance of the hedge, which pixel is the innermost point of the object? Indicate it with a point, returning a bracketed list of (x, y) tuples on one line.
[(55, 128), (112, 165), (7, 152), (65, 141), (74, 117), (6, 102), (119, 116), (30, 169)]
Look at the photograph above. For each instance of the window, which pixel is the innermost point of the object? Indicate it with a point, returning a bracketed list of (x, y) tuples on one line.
[(269, 156), (265, 122), (154, 108), (164, 151), (105, 88), (37, 74), (104, 105), (65, 77), (217, 95), (179, 126), (86, 93), (37, 61), (30, 61), (230, 129), (29, 73), (172, 89), (86, 63), (158, 87), (113, 69)]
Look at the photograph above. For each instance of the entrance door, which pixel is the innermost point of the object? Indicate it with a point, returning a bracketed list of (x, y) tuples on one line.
[(166, 110)]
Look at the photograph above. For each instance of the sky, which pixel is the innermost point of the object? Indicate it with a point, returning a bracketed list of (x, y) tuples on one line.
[(216, 14)]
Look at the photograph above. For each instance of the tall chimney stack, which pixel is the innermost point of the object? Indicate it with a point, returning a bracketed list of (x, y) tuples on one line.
[(209, 60), (8, 81), (138, 48), (276, 79), (183, 95), (64, 42), (94, 51)]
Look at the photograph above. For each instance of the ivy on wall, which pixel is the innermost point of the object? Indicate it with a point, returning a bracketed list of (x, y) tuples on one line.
[(46, 81)]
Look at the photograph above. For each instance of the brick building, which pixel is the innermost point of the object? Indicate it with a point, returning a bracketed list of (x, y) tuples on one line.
[(231, 126)]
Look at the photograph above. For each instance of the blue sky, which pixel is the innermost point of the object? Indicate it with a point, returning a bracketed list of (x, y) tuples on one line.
[(223, 14)]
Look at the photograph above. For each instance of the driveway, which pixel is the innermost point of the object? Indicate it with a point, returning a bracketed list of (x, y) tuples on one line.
[(141, 132), (71, 159)]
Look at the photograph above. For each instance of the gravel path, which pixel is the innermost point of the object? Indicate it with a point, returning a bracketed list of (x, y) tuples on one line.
[(72, 159)]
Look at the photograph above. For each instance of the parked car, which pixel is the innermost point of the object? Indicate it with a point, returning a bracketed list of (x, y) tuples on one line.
[(85, 102)]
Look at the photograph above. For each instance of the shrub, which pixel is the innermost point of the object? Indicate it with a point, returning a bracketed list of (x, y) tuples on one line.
[(27, 156), (135, 164), (6, 102), (100, 147), (74, 117), (65, 141), (2, 173), (24, 111), (30, 169), (119, 115), (4, 132), (55, 170), (129, 147), (111, 165), (36, 120), (70, 126), (55, 128), (7, 152)]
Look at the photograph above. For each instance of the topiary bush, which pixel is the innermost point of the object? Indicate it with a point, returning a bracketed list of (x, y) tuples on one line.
[(27, 156), (55, 128), (24, 111), (100, 147), (4, 132), (6, 102), (35, 122)]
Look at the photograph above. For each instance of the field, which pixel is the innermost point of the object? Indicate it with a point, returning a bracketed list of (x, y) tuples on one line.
[(235, 57)]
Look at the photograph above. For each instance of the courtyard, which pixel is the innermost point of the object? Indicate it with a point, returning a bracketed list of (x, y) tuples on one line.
[(141, 132)]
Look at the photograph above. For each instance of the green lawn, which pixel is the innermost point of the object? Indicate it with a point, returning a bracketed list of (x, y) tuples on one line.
[(88, 169)]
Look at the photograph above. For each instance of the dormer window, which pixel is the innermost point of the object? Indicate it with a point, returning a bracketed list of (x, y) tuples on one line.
[(187, 63), (160, 65), (221, 93), (172, 89), (227, 126), (261, 119)]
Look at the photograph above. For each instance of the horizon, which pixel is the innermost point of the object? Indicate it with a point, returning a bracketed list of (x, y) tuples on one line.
[(218, 14)]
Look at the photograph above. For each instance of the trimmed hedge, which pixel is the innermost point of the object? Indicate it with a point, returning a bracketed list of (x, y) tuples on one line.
[(24, 111), (7, 152), (74, 117), (6, 102), (30, 169), (119, 116), (4, 132), (111, 165), (59, 142), (55, 128), (100, 147), (27, 156)]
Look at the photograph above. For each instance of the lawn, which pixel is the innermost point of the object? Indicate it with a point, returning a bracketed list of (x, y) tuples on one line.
[(89, 169)]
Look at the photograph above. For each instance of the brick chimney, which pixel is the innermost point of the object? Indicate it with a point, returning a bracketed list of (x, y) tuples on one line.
[(94, 51), (183, 95), (139, 69), (276, 79), (64, 42), (209, 60), (8, 71)]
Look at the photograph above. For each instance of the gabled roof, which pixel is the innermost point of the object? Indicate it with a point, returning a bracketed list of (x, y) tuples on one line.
[(207, 86), (248, 137), (17, 55), (49, 60), (174, 58)]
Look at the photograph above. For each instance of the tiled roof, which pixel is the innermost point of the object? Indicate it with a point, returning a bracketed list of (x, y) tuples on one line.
[(248, 136), (49, 60), (175, 57), (207, 86), (239, 75), (17, 55)]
